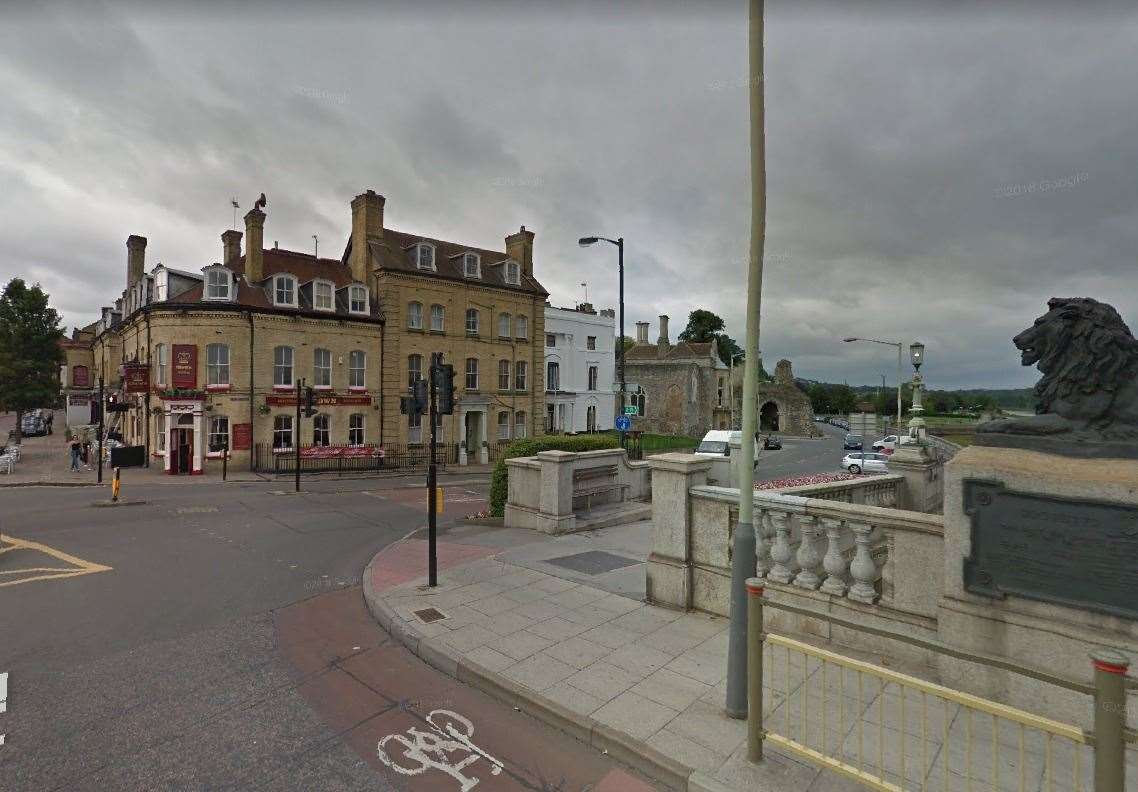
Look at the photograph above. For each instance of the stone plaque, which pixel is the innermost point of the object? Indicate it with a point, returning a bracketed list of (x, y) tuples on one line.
[(1079, 553)]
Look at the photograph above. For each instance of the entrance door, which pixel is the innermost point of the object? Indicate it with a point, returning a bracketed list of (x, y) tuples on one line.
[(182, 450), (473, 432)]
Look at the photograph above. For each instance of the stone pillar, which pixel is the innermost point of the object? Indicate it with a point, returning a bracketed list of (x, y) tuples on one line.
[(556, 499), (923, 488), (669, 577)]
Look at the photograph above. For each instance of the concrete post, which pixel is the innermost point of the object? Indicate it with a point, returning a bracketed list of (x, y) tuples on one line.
[(924, 480), (669, 579), (1110, 719), (556, 499), (755, 639)]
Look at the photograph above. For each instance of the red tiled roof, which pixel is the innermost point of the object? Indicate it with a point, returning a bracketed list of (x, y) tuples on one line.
[(304, 266), (681, 351)]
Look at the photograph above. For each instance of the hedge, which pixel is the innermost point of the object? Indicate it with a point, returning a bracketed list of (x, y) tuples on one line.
[(499, 480)]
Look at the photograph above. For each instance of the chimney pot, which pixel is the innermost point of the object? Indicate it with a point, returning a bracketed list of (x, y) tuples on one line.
[(367, 223), (642, 332), (135, 258), (230, 247), (663, 339)]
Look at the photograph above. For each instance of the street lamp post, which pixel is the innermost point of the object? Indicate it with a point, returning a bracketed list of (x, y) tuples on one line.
[(887, 343), (586, 242), (917, 422)]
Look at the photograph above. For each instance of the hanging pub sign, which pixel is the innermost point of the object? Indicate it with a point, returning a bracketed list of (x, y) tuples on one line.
[(136, 377), (80, 377), (185, 366)]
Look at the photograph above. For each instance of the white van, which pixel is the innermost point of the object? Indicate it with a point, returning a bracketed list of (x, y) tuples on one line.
[(717, 443)]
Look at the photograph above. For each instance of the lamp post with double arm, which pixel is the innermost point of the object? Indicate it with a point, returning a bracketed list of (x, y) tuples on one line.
[(619, 242)]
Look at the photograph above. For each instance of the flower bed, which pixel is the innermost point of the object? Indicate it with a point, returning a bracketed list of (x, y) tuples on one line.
[(801, 481)]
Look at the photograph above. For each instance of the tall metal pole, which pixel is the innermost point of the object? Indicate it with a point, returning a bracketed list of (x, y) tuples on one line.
[(296, 433), (620, 341), (102, 410), (898, 388), (432, 482), (743, 546)]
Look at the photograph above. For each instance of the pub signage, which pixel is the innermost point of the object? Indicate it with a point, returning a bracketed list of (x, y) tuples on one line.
[(242, 437), (322, 400), (1067, 551), (136, 377), (185, 366)]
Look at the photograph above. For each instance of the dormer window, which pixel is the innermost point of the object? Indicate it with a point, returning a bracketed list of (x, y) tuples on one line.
[(424, 256), (322, 295), (218, 283), (471, 265), (284, 290), (357, 299), (513, 276)]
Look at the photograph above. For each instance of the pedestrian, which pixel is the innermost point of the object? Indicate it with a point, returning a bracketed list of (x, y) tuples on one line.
[(76, 450)]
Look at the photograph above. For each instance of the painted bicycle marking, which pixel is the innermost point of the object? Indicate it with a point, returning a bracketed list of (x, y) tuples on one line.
[(429, 749), (3, 698)]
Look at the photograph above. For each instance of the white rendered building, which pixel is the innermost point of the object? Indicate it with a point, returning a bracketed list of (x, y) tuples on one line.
[(580, 366)]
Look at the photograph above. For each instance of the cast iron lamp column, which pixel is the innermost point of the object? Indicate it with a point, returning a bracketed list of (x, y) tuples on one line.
[(917, 422), (887, 343), (585, 242)]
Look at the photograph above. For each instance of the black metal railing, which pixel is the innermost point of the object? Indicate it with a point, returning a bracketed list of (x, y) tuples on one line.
[(341, 460)]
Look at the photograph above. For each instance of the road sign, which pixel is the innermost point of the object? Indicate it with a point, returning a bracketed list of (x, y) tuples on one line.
[(623, 423), (631, 409)]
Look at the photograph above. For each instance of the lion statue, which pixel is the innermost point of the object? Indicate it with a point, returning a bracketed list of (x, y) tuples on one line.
[(1089, 361)]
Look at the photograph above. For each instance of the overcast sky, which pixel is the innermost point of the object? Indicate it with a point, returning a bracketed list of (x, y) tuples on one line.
[(933, 174)]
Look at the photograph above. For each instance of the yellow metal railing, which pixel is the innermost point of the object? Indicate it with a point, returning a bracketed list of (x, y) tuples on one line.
[(895, 732)]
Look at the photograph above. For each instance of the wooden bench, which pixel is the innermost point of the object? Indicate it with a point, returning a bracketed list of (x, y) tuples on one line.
[(588, 482)]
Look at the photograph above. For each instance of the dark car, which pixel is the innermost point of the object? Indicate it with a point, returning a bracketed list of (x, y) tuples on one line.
[(772, 443), (852, 442)]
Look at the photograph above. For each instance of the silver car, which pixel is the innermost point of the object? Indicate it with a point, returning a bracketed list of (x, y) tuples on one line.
[(859, 462)]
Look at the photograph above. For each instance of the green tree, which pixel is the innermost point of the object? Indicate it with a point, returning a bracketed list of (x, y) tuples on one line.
[(30, 355), (704, 326)]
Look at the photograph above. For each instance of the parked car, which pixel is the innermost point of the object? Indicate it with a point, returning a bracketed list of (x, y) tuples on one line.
[(866, 462), (772, 443), (822, 419), (888, 442), (852, 442)]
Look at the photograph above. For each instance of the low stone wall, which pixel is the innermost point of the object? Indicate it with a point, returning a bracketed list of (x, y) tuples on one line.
[(885, 491), (542, 492)]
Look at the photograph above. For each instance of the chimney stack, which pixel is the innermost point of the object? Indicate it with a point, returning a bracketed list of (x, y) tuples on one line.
[(230, 247), (519, 247), (254, 250), (663, 339), (135, 259), (367, 223), (642, 332)]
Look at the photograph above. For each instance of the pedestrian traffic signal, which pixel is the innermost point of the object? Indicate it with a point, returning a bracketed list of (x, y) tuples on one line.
[(416, 403), (444, 388), (310, 402)]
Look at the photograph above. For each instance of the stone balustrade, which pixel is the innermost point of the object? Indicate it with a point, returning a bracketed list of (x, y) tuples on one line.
[(884, 491)]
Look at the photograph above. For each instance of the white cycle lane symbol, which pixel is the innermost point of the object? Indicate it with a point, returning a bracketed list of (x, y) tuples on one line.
[(430, 749)]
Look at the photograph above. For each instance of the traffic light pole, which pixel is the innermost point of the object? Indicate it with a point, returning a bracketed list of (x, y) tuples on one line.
[(102, 410), (432, 482), (296, 431)]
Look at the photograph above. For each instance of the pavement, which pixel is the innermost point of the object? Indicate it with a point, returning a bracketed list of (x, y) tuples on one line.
[(557, 627)]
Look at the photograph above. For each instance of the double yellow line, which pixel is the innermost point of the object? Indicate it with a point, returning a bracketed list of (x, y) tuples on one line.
[(78, 565)]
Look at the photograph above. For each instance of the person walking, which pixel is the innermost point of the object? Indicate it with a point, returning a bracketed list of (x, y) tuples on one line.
[(76, 451)]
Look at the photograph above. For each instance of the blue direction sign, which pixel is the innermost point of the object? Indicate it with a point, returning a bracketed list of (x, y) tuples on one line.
[(623, 423)]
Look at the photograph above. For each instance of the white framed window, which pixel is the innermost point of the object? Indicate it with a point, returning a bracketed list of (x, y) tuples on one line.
[(550, 340), (425, 256), (503, 426), (357, 299), (591, 418), (218, 283), (415, 315), (357, 369), (414, 429), (513, 276), (217, 364), (321, 436), (503, 375), (438, 318), (472, 321), (218, 433), (592, 378), (519, 424), (520, 375), (471, 265), (323, 295), (282, 432), (162, 357), (282, 366), (521, 327), (503, 325), (356, 429), (591, 343), (160, 432), (414, 370), (472, 373), (322, 368), (284, 290), (553, 377)]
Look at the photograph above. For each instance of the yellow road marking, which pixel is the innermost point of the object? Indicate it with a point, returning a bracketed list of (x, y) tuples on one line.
[(79, 566)]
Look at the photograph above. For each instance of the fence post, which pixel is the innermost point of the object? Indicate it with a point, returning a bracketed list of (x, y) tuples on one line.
[(755, 639), (1110, 719)]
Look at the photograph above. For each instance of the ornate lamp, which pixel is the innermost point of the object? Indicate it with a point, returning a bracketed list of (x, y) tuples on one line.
[(917, 423), (917, 354)]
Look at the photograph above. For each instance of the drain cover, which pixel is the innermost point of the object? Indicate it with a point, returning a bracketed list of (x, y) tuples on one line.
[(592, 562), (428, 615)]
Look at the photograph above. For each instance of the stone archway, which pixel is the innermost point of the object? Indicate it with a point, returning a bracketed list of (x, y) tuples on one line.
[(768, 417)]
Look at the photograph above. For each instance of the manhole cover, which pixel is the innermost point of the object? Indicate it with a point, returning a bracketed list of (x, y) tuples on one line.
[(592, 562), (428, 615)]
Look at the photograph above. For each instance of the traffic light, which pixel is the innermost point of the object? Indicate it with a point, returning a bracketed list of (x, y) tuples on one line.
[(416, 403), (310, 402), (444, 388)]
